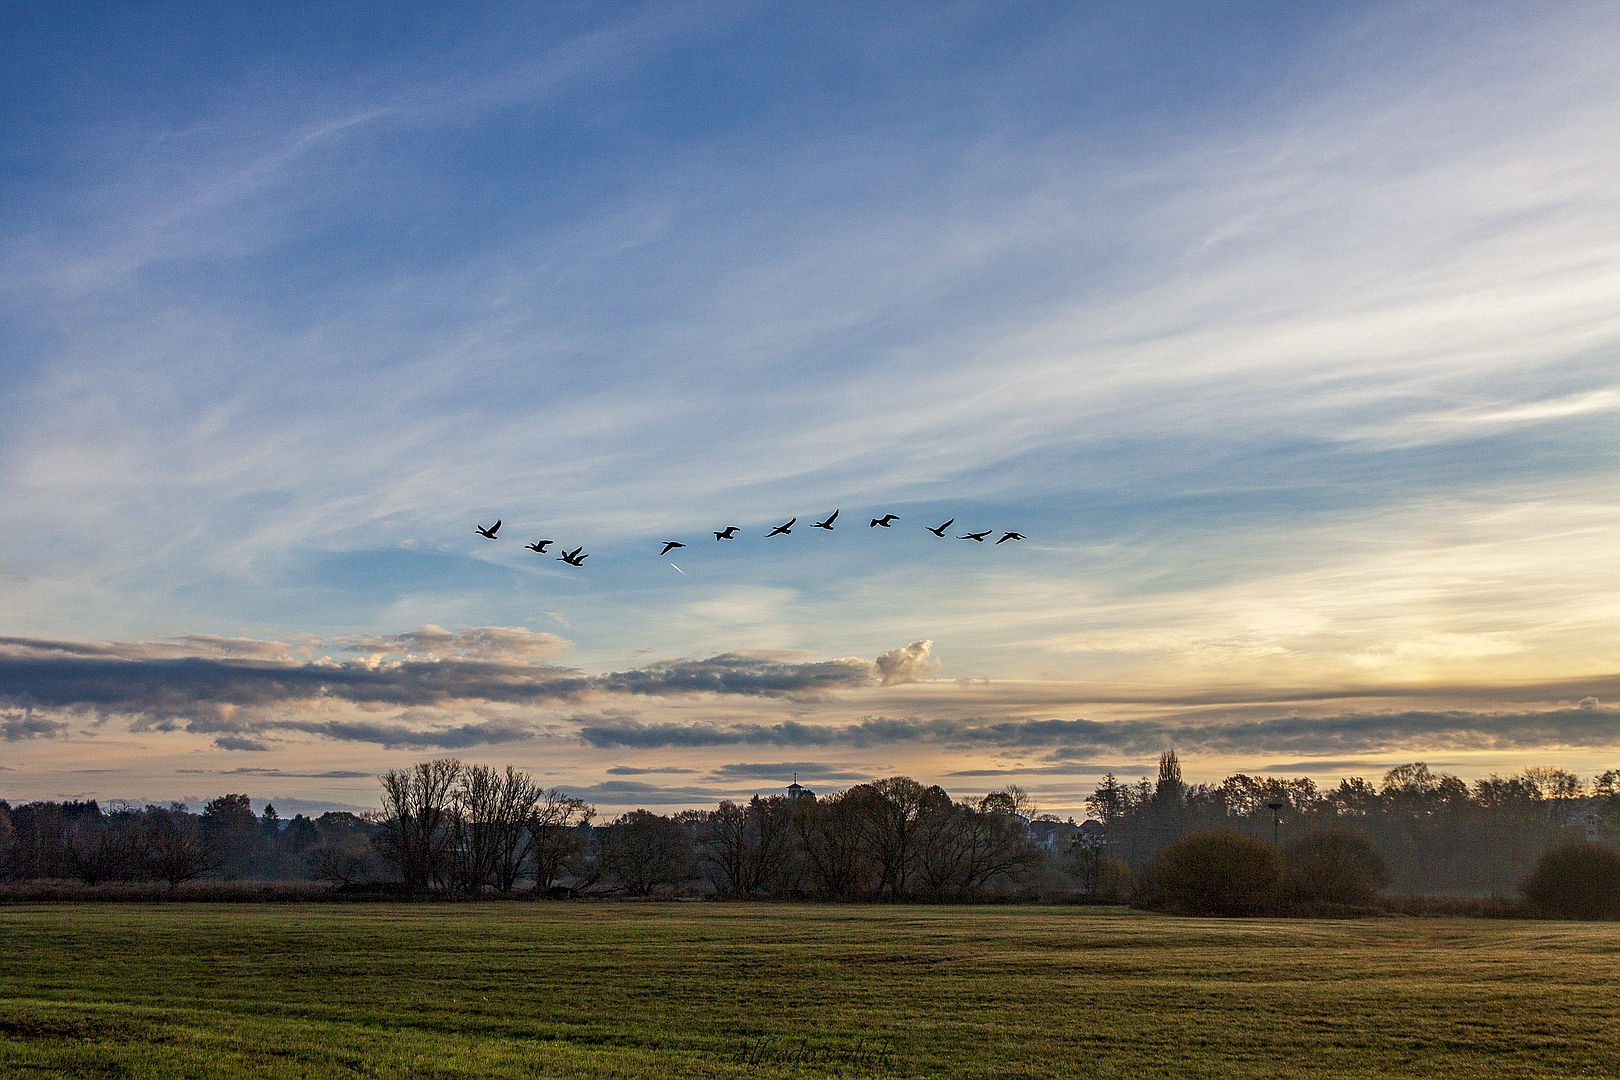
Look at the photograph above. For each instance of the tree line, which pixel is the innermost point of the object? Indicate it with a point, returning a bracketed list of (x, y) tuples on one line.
[(473, 829), (452, 828), (1438, 834), (458, 829), (129, 843)]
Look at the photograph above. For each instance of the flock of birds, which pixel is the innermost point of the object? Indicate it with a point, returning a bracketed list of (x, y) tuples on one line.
[(578, 556)]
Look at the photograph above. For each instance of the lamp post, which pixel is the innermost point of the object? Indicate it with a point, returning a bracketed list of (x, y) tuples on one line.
[(1276, 820)]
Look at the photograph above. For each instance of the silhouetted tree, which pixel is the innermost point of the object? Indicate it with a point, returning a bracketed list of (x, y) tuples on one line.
[(887, 820), (489, 816), (643, 852), (342, 850), (746, 849), (829, 835), (962, 848), (416, 832), (176, 849), (1109, 802), (231, 831), (114, 848), (8, 836), (558, 826)]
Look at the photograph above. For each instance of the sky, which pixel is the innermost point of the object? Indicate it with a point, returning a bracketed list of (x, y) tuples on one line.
[(1286, 335)]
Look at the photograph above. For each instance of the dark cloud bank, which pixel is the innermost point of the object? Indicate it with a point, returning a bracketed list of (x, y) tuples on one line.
[(242, 688), (69, 675), (1350, 733), (239, 691)]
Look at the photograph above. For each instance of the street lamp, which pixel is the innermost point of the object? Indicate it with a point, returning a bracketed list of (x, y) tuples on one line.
[(1276, 820)]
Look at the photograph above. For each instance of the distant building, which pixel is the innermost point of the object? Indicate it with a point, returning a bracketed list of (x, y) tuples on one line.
[(798, 791), (1050, 834)]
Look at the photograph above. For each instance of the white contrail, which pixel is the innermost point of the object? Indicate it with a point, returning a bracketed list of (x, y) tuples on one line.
[(678, 570)]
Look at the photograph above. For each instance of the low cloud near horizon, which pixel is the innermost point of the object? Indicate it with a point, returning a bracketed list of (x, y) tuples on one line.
[(237, 689), (434, 690)]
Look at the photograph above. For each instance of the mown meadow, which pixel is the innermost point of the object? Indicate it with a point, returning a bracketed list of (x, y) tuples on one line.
[(721, 990)]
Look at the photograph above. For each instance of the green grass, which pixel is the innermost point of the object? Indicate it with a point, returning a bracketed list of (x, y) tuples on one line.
[(597, 990)]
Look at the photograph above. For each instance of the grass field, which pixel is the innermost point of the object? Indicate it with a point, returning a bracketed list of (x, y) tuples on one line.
[(587, 990)]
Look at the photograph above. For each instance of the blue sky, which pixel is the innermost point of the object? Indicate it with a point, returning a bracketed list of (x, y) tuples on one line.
[(1287, 335)]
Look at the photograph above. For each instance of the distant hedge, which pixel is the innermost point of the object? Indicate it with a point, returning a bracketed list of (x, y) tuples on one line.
[(1576, 881)]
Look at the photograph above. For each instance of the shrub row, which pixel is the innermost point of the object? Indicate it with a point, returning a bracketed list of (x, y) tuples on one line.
[(1338, 870)]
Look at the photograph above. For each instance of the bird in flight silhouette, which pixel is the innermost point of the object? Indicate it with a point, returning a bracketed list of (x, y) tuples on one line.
[(940, 532), (539, 546), (671, 545), (573, 558), (783, 530), (728, 533), (977, 536), (828, 523), (885, 521), (1010, 536), (489, 533)]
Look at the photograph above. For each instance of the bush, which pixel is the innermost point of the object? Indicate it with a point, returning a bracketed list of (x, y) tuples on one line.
[(1334, 865), (1576, 881), (1214, 873)]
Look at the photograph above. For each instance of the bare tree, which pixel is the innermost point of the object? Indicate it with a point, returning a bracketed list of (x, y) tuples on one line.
[(747, 847), (962, 848), (176, 849), (829, 834), (944, 843), (643, 852), (887, 821), (340, 861), (489, 815), (113, 849), (557, 823), (416, 819), (725, 849)]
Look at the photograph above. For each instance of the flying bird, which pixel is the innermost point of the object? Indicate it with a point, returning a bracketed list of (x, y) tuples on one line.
[(940, 532), (729, 533), (783, 530), (539, 546), (671, 545), (828, 523), (489, 533), (977, 536), (573, 558), (1010, 536), (885, 521)]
